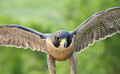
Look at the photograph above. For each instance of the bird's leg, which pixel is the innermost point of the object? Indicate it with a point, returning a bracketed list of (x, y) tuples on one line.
[(51, 64), (73, 63)]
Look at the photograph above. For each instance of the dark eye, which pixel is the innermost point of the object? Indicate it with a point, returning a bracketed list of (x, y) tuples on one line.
[(67, 38), (57, 38)]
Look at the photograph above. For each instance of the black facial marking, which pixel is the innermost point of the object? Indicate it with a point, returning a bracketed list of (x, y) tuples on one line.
[(62, 35), (69, 40), (55, 41)]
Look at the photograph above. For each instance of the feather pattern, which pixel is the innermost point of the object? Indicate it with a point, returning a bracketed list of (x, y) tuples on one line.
[(18, 36), (99, 26)]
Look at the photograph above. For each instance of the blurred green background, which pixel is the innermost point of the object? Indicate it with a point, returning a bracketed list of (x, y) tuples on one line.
[(48, 16)]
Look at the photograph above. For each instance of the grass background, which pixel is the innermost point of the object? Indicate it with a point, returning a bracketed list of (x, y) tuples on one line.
[(48, 16)]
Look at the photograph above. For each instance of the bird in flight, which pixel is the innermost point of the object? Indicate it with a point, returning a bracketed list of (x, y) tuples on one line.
[(62, 45)]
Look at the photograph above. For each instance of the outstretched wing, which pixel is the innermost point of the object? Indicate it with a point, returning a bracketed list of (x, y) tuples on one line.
[(18, 36), (99, 26)]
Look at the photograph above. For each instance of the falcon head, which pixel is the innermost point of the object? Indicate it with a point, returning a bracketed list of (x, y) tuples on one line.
[(61, 39)]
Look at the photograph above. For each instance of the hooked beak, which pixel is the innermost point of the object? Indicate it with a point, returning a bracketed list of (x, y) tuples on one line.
[(63, 42)]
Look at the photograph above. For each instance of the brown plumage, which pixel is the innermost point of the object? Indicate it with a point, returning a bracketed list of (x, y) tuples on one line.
[(20, 38), (63, 45), (99, 26)]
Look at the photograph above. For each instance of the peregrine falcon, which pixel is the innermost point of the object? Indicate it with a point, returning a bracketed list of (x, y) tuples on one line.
[(62, 45)]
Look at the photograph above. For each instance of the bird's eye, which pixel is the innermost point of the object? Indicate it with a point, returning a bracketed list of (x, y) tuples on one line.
[(67, 38), (57, 38)]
